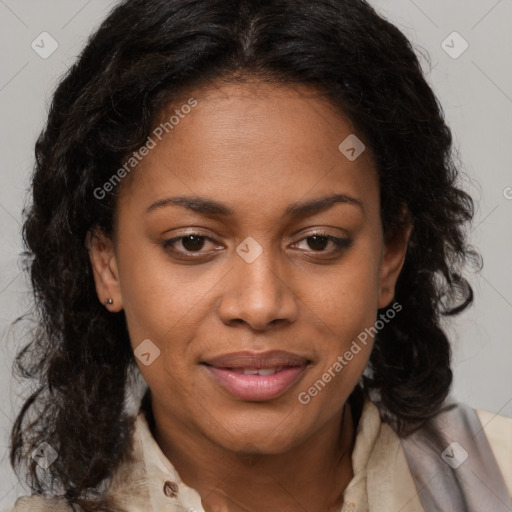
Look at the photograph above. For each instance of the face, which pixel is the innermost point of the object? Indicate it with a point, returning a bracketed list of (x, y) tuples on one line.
[(263, 259)]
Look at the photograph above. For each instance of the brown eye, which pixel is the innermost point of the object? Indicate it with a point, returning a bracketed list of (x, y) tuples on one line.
[(193, 242), (190, 244), (318, 242)]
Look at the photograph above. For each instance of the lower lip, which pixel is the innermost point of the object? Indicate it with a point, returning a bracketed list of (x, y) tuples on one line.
[(257, 387)]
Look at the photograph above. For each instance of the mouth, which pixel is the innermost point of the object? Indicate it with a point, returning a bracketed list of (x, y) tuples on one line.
[(257, 371), (253, 376)]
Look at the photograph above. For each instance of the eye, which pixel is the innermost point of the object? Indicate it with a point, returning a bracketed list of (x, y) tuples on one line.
[(190, 244), (318, 241)]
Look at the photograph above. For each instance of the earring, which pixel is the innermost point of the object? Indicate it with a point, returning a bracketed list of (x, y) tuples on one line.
[(109, 302)]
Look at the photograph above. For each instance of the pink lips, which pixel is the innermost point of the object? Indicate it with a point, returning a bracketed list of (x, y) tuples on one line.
[(228, 370)]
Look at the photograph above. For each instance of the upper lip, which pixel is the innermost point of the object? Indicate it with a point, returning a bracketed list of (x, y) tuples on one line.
[(247, 359)]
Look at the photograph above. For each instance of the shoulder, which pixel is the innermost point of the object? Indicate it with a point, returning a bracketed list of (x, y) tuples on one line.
[(498, 430), (37, 503)]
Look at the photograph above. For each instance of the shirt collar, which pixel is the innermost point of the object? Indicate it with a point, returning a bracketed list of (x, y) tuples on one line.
[(148, 477)]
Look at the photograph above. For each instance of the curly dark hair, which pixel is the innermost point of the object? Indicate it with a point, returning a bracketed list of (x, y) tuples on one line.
[(145, 55)]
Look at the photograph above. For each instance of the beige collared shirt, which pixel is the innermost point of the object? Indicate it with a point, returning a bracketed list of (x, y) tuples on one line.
[(382, 481)]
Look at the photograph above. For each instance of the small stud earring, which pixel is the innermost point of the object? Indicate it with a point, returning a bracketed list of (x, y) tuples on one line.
[(109, 302)]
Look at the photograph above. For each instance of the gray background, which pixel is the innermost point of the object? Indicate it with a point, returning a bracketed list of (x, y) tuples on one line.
[(475, 90)]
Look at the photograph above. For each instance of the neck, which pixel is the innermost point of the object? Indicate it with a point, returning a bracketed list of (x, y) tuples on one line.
[(312, 476)]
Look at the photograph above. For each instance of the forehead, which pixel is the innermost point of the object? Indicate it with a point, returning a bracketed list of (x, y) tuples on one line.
[(253, 143)]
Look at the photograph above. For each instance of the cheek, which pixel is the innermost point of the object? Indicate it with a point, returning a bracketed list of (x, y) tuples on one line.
[(343, 347), (346, 306), (346, 298), (156, 295)]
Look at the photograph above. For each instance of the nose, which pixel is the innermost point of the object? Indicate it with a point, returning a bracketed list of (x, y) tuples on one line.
[(258, 294)]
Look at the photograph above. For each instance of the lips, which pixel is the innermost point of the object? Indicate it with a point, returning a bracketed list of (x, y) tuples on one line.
[(255, 360), (253, 376)]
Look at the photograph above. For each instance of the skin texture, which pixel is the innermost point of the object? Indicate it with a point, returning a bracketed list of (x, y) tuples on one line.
[(257, 148)]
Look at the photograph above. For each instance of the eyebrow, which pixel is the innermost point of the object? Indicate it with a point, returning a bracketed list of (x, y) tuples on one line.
[(210, 207)]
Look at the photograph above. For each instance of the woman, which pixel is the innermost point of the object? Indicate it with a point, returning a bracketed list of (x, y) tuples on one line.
[(252, 208)]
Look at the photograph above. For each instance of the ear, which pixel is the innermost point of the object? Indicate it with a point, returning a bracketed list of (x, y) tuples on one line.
[(395, 249), (104, 267)]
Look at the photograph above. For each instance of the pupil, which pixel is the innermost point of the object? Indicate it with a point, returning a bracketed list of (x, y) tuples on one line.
[(316, 245), (193, 243)]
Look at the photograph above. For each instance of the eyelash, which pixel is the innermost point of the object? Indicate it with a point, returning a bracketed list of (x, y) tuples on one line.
[(341, 244)]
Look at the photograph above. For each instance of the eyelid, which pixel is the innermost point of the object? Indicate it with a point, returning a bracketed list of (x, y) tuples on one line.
[(341, 243), (175, 239)]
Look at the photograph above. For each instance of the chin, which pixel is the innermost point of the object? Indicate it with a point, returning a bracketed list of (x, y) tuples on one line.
[(264, 439)]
